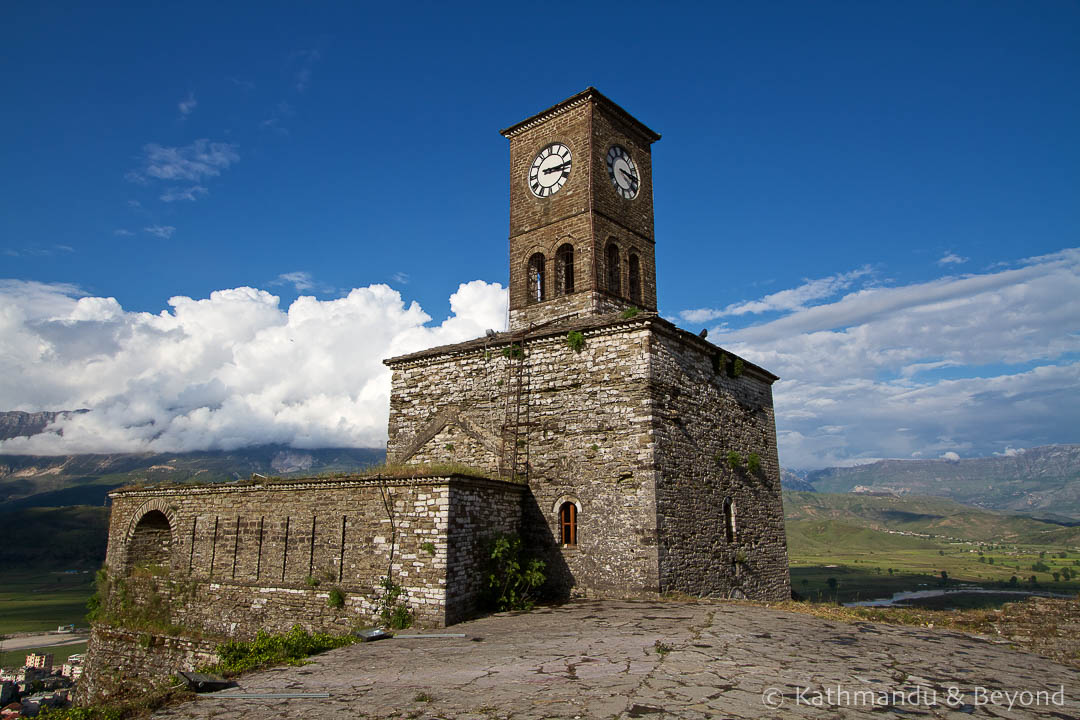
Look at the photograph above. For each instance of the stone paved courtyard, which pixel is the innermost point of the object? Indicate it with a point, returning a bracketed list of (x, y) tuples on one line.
[(621, 659)]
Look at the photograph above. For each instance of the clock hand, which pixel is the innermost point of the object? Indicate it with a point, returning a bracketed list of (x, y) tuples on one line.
[(627, 175), (557, 168)]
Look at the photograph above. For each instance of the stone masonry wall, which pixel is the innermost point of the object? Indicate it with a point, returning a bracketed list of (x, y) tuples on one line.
[(477, 514), (702, 414), (265, 556), (252, 549), (588, 441), (124, 659)]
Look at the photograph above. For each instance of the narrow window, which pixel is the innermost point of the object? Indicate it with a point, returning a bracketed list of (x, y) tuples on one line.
[(729, 520), (564, 267), (536, 278), (614, 276), (634, 271), (568, 524)]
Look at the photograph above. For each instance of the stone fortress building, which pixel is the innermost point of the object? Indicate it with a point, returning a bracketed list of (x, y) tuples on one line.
[(634, 457)]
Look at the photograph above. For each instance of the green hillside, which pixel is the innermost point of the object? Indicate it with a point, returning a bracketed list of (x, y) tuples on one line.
[(873, 546), (942, 519)]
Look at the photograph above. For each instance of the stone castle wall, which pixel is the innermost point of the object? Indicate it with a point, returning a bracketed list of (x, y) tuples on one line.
[(121, 660), (703, 414), (630, 429), (226, 561), (588, 441)]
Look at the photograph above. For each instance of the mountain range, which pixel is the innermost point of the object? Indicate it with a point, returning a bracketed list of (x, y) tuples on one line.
[(1042, 481)]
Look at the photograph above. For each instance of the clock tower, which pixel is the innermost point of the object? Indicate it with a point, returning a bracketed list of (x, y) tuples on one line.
[(581, 212)]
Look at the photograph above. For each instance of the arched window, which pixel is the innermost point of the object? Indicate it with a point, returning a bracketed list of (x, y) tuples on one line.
[(536, 278), (564, 269), (151, 541), (729, 520), (568, 523), (614, 276), (634, 271)]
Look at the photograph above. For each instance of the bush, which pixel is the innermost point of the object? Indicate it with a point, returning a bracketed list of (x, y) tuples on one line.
[(235, 657), (630, 312), (734, 460), (393, 611), (737, 367), (575, 340), (336, 598), (512, 576), (428, 547), (753, 462)]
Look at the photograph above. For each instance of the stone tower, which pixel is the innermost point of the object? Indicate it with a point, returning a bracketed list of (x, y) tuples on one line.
[(649, 453), (636, 458), (581, 212)]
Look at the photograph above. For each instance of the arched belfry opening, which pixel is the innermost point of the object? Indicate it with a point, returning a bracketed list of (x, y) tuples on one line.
[(564, 269), (151, 541), (537, 271), (614, 272), (634, 272)]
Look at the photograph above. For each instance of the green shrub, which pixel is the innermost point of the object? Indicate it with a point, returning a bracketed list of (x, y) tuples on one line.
[(719, 363), (513, 351), (734, 460), (428, 547), (235, 657), (336, 598), (737, 367), (753, 462), (630, 312), (512, 576), (575, 340), (393, 611)]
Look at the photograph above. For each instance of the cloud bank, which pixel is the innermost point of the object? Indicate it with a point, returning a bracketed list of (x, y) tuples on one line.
[(959, 366), (227, 371), (962, 365)]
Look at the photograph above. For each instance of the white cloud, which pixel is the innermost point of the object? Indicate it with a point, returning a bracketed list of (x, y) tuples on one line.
[(200, 159), (401, 278), (192, 193), (300, 280), (967, 364), (950, 456), (162, 231), (226, 371), (951, 258), (785, 300), (1011, 452), (121, 232), (187, 105)]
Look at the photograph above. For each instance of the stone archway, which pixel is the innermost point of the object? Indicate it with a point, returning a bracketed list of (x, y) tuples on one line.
[(149, 540)]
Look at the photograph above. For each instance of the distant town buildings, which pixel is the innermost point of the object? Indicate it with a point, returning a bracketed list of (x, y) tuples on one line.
[(41, 661), (25, 691)]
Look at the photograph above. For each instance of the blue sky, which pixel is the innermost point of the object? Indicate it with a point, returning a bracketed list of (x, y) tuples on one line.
[(874, 200)]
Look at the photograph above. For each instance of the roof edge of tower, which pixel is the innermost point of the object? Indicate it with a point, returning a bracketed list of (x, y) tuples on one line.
[(588, 94)]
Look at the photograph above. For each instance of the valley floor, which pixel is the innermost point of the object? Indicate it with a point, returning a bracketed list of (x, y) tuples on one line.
[(621, 659)]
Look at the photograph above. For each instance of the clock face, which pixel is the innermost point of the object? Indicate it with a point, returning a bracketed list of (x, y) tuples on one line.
[(550, 170), (623, 172)]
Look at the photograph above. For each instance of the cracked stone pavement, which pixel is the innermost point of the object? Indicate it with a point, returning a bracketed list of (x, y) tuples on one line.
[(642, 659)]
